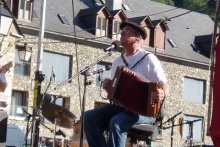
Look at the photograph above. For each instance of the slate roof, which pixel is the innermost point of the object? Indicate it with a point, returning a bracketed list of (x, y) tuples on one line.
[(5, 12), (182, 29)]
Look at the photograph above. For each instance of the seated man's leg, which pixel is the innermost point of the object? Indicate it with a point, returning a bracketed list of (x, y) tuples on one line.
[(96, 121), (121, 123)]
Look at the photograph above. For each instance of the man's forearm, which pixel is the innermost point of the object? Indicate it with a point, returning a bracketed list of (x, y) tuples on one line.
[(165, 87)]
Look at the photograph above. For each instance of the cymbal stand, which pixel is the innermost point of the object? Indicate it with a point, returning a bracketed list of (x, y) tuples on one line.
[(172, 126)]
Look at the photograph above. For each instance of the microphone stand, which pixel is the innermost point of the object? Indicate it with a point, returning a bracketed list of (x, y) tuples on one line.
[(85, 73), (190, 129), (27, 126), (35, 120), (172, 126)]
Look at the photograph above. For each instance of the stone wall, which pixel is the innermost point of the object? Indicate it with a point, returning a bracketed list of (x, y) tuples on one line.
[(87, 55)]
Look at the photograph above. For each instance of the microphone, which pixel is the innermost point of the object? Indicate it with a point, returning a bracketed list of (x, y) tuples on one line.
[(113, 46), (52, 74), (101, 70)]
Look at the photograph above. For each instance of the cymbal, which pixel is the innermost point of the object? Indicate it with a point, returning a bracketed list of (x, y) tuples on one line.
[(63, 117)]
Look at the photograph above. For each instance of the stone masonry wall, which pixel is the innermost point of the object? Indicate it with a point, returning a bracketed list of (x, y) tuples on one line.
[(87, 55)]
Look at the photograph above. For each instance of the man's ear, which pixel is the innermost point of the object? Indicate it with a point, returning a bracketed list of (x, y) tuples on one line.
[(139, 38)]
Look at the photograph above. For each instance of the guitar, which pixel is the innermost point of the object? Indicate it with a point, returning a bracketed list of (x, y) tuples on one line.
[(6, 67)]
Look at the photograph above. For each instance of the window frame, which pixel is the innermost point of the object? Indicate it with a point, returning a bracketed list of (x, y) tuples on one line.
[(116, 26), (105, 74), (188, 99), (69, 66), (101, 26), (24, 105), (186, 128), (15, 9)]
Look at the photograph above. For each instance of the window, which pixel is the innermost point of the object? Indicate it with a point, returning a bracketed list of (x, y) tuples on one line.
[(126, 7), (63, 19), (172, 43), (35, 15), (194, 90), (18, 103), (103, 1), (197, 127), (21, 68), (116, 30), (60, 64), (101, 27), (105, 74), (21, 9)]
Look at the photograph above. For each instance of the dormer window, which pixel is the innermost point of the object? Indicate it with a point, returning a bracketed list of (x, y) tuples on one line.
[(102, 1), (101, 28), (116, 31), (158, 35), (172, 43), (126, 7), (21, 9), (96, 18), (63, 19)]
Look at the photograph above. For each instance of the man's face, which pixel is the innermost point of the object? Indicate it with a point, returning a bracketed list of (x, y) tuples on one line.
[(129, 35)]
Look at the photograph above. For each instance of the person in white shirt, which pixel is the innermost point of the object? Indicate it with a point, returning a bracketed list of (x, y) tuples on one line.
[(3, 82), (3, 113), (113, 118)]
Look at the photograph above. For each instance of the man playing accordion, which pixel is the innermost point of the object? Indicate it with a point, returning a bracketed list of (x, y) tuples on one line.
[(118, 120)]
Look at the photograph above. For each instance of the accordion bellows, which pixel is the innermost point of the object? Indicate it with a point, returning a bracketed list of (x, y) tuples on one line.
[(132, 92)]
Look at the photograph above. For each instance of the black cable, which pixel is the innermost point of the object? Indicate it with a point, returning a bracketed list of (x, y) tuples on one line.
[(76, 52)]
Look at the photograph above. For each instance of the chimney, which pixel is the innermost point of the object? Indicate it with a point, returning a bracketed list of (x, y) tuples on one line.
[(114, 4)]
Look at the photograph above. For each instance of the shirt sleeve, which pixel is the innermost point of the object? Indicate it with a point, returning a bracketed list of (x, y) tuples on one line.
[(2, 78), (115, 64), (156, 72)]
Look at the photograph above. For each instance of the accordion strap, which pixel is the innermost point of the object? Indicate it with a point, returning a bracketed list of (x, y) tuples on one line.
[(126, 63)]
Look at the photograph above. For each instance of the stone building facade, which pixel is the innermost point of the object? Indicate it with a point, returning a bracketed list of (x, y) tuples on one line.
[(176, 71), (75, 38)]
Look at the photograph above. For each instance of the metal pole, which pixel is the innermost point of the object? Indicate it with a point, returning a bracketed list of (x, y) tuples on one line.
[(39, 77)]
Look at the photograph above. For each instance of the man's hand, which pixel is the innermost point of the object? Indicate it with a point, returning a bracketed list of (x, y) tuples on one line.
[(158, 95), (107, 85), (2, 86)]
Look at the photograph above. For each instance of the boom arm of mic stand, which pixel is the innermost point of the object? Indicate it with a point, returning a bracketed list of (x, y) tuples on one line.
[(187, 122), (170, 119)]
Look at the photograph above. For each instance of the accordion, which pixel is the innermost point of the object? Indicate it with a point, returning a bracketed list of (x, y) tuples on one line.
[(132, 92)]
